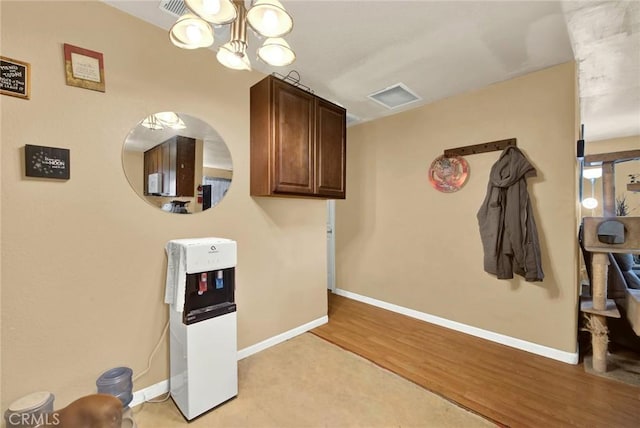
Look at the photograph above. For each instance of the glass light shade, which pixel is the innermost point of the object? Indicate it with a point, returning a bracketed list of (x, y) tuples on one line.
[(191, 32), (276, 52), (179, 44), (269, 18), (592, 173), (179, 125), (231, 58), (590, 203), (217, 12)]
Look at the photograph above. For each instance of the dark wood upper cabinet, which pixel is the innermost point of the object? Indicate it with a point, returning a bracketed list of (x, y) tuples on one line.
[(175, 160), (298, 142)]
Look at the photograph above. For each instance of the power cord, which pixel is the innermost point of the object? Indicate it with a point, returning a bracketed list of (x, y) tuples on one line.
[(153, 353), (161, 400)]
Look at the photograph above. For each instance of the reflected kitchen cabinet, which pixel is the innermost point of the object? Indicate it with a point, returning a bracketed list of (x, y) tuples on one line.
[(169, 167), (298, 142)]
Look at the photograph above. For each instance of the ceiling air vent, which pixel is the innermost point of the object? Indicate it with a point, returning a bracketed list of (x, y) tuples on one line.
[(173, 7), (395, 96)]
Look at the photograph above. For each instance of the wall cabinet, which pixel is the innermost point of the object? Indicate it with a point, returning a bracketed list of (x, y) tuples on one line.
[(174, 159), (298, 142)]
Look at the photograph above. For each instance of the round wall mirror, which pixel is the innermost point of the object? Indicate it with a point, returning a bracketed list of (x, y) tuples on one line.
[(177, 163)]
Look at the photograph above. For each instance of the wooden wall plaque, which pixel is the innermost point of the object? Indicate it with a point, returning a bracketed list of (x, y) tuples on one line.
[(15, 78)]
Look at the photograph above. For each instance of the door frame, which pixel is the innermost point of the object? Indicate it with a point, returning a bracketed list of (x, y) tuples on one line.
[(331, 244)]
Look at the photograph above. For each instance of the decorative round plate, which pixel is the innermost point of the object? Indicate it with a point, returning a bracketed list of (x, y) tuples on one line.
[(448, 174)]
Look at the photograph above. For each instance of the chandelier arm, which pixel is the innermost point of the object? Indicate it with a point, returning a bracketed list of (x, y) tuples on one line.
[(239, 26)]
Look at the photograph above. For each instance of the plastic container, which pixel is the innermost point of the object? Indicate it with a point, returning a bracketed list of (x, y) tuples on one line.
[(118, 382), (30, 410)]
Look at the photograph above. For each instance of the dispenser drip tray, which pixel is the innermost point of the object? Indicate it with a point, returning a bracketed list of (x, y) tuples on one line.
[(205, 313)]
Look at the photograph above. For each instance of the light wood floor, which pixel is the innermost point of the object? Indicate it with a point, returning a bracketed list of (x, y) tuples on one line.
[(293, 385), (508, 386)]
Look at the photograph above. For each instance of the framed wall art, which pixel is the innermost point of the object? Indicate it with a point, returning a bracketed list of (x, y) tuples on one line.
[(46, 162), (84, 68), (448, 174), (15, 78)]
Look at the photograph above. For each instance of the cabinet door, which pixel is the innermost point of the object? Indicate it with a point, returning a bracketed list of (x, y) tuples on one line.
[(148, 169), (293, 144), (330, 150), (185, 166), (168, 150), (152, 165)]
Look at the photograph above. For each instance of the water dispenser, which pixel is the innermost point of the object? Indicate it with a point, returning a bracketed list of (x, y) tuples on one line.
[(200, 291)]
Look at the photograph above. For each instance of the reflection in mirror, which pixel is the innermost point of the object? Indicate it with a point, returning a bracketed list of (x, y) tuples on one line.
[(627, 188), (592, 174), (627, 198), (177, 162)]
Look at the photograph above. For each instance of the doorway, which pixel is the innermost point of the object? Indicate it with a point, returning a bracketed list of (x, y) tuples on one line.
[(331, 245)]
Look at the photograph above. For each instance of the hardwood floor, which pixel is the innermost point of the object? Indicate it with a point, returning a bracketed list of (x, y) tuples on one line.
[(508, 386)]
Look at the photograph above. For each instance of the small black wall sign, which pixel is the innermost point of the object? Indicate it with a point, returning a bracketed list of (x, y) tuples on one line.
[(46, 162), (15, 78)]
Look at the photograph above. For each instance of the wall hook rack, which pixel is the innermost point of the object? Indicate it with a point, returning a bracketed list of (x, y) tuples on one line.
[(481, 148)]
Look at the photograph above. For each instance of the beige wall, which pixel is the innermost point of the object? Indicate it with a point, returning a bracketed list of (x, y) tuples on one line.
[(612, 145), (83, 263), (401, 241), (217, 172)]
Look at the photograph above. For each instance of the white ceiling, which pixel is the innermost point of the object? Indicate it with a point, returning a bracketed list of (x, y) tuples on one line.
[(349, 49), (606, 40)]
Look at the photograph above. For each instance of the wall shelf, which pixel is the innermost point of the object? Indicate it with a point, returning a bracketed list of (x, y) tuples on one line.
[(610, 311), (633, 187), (600, 158)]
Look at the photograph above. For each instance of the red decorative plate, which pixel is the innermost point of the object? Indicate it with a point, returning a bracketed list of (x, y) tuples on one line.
[(448, 174)]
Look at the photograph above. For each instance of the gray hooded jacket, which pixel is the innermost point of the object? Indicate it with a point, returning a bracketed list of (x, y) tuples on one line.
[(507, 227)]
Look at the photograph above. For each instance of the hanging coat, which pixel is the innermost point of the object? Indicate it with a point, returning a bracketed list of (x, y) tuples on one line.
[(507, 227)]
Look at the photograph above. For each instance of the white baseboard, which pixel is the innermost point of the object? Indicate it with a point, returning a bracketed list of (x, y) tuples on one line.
[(534, 348), (162, 387), (261, 346), (150, 392)]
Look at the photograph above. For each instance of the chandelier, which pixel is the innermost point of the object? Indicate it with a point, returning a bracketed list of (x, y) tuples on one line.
[(268, 18), (163, 120)]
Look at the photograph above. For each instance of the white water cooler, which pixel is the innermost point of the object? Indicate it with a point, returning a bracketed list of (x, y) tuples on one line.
[(202, 323)]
